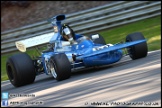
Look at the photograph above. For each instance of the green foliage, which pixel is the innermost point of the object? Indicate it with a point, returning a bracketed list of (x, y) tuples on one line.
[(151, 29)]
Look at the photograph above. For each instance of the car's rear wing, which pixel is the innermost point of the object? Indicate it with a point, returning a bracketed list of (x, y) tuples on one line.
[(34, 41), (45, 38), (22, 45)]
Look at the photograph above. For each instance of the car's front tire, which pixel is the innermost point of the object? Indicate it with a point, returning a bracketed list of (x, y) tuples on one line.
[(60, 67), (20, 69), (139, 50)]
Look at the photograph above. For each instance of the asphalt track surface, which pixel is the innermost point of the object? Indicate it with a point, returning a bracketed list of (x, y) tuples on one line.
[(126, 83)]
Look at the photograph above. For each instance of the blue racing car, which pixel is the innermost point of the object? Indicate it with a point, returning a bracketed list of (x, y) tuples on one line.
[(68, 51)]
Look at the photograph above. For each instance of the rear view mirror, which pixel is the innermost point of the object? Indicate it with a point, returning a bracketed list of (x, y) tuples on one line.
[(96, 36)]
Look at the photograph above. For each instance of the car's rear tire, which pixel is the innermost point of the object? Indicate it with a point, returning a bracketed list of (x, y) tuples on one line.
[(99, 40), (139, 50), (20, 69), (60, 67)]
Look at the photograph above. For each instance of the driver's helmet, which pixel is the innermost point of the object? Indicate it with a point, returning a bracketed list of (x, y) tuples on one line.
[(67, 33)]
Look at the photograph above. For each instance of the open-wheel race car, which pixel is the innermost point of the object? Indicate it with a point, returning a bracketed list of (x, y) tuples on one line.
[(68, 51)]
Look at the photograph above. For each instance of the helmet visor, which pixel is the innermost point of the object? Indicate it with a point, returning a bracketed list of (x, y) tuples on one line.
[(67, 31), (68, 34)]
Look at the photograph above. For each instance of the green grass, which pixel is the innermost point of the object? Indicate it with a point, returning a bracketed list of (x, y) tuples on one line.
[(151, 29)]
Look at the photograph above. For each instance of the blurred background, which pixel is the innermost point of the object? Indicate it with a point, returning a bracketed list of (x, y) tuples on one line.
[(15, 14), (25, 19)]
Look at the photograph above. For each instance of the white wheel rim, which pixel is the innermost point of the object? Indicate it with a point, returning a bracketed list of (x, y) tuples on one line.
[(52, 69)]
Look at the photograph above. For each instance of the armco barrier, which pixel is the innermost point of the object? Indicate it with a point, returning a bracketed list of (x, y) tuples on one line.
[(88, 21)]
